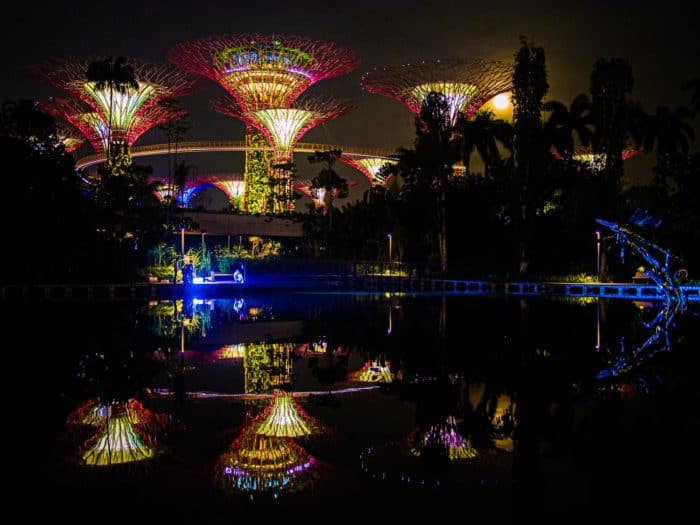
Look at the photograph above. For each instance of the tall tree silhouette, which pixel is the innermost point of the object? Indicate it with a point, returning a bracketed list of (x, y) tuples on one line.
[(611, 81), (328, 179), (529, 89)]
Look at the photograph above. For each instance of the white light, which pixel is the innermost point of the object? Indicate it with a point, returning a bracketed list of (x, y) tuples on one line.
[(501, 101)]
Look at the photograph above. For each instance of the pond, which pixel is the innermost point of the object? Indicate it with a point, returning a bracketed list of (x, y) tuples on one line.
[(338, 405)]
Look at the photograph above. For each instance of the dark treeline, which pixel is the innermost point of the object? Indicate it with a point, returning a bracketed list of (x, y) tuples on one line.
[(537, 197), (59, 225)]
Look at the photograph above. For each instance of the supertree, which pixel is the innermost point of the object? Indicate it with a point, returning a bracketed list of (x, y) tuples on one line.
[(595, 161), (262, 72), (94, 126), (257, 463), (467, 85), (69, 136), (127, 112), (232, 184), (283, 417), (125, 432), (370, 167), (284, 127), (374, 372), (318, 195), (444, 436), (165, 192)]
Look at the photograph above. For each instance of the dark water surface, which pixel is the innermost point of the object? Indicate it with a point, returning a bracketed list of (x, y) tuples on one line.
[(418, 405)]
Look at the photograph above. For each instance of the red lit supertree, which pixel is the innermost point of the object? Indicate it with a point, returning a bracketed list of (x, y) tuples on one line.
[(467, 85), (262, 72), (121, 113), (284, 127)]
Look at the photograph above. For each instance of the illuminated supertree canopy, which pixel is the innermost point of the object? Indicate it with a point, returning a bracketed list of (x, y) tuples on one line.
[(95, 414), (283, 417), (69, 136), (466, 85), (285, 126), (124, 435), (445, 436), (263, 71), (318, 195), (370, 167), (95, 125), (128, 112), (165, 192), (230, 183), (596, 161), (375, 372), (257, 463)]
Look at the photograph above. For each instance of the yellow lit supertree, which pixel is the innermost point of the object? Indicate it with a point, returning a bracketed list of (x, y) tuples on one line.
[(123, 435), (283, 417), (117, 112), (466, 85), (257, 463), (284, 127), (374, 371)]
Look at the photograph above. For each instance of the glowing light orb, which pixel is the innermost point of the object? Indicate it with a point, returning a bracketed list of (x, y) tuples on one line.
[(501, 101)]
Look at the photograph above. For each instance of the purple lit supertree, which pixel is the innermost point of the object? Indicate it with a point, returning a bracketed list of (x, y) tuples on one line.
[(262, 72), (466, 85), (122, 113), (284, 127)]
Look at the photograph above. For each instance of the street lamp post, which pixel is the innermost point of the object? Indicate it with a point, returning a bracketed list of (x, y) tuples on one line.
[(389, 236), (182, 243), (597, 239)]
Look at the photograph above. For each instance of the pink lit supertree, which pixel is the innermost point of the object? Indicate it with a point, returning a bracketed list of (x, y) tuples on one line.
[(284, 127), (466, 85), (596, 160), (262, 72), (123, 111)]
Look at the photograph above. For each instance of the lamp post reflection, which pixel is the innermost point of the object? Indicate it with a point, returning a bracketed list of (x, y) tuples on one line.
[(389, 237)]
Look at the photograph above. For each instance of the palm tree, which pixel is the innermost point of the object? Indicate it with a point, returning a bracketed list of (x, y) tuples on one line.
[(174, 129), (115, 75), (483, 133), (328, 179), (567, 126), (611, 81), (670, 132)]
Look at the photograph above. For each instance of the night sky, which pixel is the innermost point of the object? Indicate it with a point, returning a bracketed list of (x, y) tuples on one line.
[(659, 42)]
